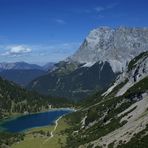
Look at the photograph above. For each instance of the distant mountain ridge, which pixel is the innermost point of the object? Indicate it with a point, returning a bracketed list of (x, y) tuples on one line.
[(25, 66), (48, 66), (22, 76), (22, 73), (18, 65)]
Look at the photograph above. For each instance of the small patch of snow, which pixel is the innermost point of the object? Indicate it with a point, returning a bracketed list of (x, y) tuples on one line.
[(89, 64)]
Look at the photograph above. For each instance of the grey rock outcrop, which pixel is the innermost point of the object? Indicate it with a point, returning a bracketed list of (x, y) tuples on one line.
[(116, 46)]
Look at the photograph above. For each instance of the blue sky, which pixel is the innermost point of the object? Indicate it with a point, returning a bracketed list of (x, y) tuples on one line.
[(40, 31)]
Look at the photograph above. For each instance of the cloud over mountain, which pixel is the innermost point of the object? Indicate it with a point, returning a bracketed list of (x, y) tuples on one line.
[(17, 50)]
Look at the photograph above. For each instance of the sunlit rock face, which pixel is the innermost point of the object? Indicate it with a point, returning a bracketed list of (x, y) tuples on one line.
[(117, 46)]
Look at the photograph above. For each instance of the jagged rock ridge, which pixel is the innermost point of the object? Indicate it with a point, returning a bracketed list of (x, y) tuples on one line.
[(114, 45)]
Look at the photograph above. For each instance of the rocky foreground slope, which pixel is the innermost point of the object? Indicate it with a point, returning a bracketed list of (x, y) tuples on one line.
[(119, 116)]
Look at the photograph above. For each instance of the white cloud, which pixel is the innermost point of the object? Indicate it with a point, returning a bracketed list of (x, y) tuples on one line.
[(60, 21), (39, 53), (17, 50)]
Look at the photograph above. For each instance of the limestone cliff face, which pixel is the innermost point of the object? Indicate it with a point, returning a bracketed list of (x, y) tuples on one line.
[(117, 46)]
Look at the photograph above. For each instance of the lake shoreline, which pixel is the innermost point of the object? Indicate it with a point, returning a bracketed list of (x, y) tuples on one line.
[(17, 115), (56, 121), (11, 118)]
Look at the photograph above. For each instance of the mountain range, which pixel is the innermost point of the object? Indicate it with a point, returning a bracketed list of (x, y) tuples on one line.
[(23, 73), (104, 54), (25, 66)]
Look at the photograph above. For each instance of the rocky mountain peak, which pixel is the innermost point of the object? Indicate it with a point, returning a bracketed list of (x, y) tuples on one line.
[(117, 46)]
